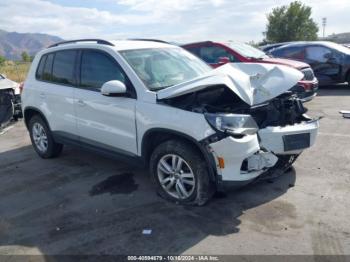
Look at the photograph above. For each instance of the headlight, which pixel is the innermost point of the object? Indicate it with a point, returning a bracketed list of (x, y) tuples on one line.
[(234, 124)]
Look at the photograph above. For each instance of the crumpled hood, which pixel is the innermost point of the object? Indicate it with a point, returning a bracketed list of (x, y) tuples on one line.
[(253, 83)]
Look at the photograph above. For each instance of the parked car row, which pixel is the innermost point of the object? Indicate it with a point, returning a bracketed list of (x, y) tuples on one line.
[(196, 128), (329, 61)]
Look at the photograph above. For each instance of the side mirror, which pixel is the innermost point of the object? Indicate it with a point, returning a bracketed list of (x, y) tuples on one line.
[(113, 87), (224, 60), (3, 75)]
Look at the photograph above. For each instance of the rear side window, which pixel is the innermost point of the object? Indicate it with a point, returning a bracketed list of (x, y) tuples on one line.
[(63, 67), (97, 69)]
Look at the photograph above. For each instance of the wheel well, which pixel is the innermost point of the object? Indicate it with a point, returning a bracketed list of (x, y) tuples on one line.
[(29, 113), (154, 138)]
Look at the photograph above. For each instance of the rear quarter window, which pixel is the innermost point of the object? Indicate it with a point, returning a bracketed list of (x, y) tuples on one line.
[(39, 71), (47, 70)]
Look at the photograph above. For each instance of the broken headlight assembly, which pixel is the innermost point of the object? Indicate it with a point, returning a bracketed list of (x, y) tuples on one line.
[(233, 124)]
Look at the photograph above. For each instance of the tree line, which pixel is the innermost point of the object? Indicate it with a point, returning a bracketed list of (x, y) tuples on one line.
[(25, 57)]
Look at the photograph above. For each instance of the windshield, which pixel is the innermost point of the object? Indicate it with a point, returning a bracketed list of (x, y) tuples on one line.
[(247, 50), (159, 68)]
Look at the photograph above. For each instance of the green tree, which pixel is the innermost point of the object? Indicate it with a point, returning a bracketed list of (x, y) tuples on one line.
[(290, 23), (2, 60), (25, 57)]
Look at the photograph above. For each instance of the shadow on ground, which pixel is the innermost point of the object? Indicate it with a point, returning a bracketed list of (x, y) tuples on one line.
[(82, 203)]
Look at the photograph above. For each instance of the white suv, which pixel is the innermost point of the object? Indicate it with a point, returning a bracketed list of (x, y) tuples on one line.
[(197, 129)]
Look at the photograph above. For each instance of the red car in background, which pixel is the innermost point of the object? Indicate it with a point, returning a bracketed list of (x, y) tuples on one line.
[(216, 54)]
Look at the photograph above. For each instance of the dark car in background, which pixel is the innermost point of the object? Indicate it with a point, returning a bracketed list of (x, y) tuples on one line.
[(329, 61), (216, 54)]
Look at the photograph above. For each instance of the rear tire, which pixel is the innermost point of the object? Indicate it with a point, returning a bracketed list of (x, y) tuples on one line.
[(42, 139), (180, 174)]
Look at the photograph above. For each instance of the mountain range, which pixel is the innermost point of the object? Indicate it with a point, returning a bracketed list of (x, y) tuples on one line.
[(12, 44)]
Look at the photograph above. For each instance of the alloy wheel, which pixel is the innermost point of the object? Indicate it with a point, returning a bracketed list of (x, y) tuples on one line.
[(40, 137), (176, 176)]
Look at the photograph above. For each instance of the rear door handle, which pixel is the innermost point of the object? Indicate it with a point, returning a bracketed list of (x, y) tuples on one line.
[(81, 103)]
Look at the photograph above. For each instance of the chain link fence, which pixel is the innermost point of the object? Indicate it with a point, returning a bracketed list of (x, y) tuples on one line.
[(16, 71)]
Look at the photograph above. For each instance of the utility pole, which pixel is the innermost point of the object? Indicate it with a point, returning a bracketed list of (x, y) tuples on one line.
[(324, 23)]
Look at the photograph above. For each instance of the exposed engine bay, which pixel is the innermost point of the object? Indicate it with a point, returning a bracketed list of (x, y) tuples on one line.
[(285, 109)]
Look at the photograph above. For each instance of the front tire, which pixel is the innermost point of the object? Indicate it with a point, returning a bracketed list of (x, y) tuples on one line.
[(42, 139), (180, 174)]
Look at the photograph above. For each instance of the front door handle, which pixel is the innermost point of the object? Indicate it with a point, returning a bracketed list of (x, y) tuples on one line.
[(42, 95), (81, 103)]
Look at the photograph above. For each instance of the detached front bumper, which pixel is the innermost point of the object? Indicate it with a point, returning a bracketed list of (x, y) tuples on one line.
[(289, 139), (240, 160)]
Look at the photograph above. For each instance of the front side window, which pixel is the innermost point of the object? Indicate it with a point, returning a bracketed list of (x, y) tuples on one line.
[(318, 54), (63, 67), (212, 54), (98, 68), (159, 68)]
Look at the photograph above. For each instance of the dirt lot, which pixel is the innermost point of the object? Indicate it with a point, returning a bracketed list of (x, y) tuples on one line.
[(82, 203)]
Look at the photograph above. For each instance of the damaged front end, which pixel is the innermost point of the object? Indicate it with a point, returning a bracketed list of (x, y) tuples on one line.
[(10, 102), (260, 126)]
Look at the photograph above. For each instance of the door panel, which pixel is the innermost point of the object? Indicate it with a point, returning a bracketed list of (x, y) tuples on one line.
[(56, 95), (104, 121), (325, 69)]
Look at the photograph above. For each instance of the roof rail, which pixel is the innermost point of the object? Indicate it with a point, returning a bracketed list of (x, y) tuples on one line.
[(149, 39), (99, 41)]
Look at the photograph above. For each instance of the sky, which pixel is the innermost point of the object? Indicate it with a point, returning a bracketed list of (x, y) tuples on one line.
[(172, 20)]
